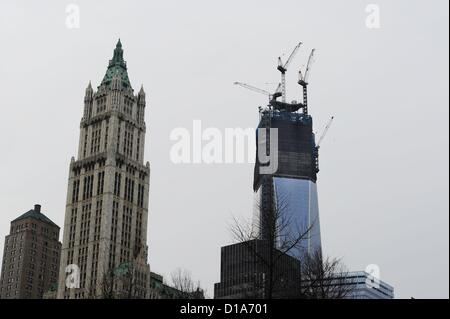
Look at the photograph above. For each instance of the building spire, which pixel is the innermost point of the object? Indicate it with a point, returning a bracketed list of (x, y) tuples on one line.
[(118, 54), (89, 92), (117, 67)]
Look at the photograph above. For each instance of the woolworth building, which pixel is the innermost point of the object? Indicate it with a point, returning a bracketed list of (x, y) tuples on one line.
[(105, 227)]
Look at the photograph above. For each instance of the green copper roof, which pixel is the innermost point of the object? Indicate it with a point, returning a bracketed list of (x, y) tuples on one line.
[(117, 66), (35, 214), (123, 269)]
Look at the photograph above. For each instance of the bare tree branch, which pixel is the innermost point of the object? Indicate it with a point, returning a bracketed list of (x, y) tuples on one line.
[(276, 247)]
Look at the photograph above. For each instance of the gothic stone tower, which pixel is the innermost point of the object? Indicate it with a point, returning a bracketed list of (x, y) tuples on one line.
[(105, 228)]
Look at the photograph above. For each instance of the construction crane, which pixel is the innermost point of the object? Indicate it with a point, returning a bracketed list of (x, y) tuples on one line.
[(304, 78), (273, 103), (261, 91), (282, 67), (303, 81), (327, 127)]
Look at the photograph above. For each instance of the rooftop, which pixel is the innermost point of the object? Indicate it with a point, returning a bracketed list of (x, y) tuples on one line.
[(35, 214)]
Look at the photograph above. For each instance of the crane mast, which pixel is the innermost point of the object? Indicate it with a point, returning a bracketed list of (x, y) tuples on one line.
[(303, 81), (283, 68), (281, 89)]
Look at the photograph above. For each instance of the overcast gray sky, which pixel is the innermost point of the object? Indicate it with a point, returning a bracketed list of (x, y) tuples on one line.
[(383, 184)]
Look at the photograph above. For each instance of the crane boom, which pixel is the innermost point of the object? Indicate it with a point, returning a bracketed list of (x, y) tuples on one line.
[(291, 57), (308, 66), (278, 90), (325, 131), (252, 88)]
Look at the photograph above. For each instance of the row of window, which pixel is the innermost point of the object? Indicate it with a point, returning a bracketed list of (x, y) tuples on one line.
[(88, 186), (128, 106), (128, 140), (101, 104), (88, 182), (129, 189), (112, 248), (125, 103), (16, 228)]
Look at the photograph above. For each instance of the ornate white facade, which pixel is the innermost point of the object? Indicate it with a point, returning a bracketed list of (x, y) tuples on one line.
[(105, 227)]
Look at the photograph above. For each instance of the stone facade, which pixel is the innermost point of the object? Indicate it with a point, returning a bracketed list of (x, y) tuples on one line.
[(160, 290), (30, 257), (105, 228)]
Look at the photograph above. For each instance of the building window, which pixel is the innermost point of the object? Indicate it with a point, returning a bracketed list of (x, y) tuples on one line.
[(106, 135), (85, 143), (75, 190), (141, 192), (117, 180), (87, 187), (100, 182), (128, 140), (129, 189), (95, 138)]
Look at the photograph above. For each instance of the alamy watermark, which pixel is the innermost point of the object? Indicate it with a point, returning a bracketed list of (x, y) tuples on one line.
[(373, 20), (373, 279), (231, 146), (73, 277), (72, 16)]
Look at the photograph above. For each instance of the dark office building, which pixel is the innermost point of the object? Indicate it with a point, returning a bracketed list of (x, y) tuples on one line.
[(30, 257), (244, 269)]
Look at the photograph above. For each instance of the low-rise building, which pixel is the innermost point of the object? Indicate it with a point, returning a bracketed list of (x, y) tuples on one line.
[(160, 290)]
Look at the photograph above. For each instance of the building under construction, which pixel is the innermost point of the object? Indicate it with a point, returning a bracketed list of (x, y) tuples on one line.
[(289, 193)]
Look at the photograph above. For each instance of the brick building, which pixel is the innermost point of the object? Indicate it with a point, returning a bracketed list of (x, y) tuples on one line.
[(30, 257)]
